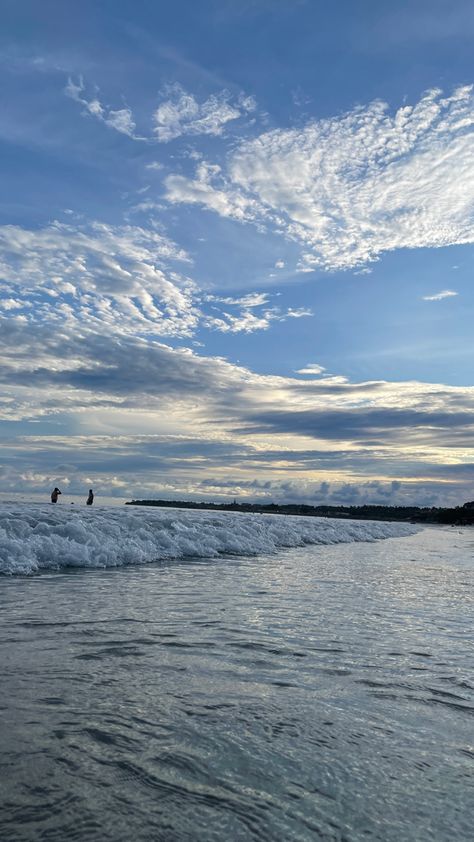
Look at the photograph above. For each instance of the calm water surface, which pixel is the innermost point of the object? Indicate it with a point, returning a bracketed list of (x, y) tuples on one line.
[(324, 693)]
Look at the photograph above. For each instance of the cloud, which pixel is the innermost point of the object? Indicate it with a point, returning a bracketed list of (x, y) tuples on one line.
[(445, 293), (121, 120), (119, 277), (116, 278), (253, 299), (125, 371), (352, 187), (311, 368), (181, 114), (290, 433), (200, 191), (11, 304), (299, 312), (360, 424), (178, 114), (86, 307), (247, 321)]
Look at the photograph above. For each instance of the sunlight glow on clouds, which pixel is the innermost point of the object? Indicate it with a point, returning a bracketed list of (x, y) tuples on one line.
[(349, 188), (288, 433)]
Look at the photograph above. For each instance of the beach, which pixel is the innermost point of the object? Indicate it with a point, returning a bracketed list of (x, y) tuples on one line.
[(237, 688)]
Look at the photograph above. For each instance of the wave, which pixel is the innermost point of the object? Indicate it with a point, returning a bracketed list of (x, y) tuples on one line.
[(35, 538)]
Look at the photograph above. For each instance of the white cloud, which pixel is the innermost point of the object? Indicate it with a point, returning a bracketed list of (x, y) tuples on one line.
[(299, 312), (11, 304), (351, 187), (182, 114), (179, 114), (311, 368), (445, 293), (228, 203), (118, 279), (121, 120), (252, 299), (246, 321)]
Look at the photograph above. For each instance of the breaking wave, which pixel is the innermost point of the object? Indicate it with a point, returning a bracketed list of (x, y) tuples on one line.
[(35, 538)]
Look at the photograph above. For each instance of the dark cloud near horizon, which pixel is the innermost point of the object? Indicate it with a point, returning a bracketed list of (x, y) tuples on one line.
[(356, 424), (62, 373)]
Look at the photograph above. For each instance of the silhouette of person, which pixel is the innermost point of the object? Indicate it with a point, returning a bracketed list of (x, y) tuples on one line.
[(90, 498), (54, 495)]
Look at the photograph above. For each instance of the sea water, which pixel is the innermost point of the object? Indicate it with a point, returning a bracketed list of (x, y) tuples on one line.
[(322, 691)]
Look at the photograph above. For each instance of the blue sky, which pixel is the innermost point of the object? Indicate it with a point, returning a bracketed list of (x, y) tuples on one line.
[(236, 247)]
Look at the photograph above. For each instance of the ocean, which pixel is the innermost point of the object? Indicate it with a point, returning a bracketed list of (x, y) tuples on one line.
[(177, 675)]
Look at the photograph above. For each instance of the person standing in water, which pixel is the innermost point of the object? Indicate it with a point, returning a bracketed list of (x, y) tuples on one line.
[(54, 495), (90, 498)]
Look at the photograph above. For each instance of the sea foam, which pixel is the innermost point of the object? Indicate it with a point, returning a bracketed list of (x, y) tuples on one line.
[(35, 538)]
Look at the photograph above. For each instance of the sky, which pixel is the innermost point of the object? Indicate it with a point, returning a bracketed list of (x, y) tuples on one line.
[(236, 250)]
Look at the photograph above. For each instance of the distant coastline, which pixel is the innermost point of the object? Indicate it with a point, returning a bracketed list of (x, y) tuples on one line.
[(458, 516)]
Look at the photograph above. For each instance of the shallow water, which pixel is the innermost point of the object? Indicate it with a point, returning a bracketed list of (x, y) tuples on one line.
[(321, 693)]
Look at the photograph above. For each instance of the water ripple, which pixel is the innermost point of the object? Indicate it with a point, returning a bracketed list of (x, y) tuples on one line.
[(320, 694)]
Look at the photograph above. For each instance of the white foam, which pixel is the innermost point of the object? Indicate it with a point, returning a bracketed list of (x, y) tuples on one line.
[(34, 538)]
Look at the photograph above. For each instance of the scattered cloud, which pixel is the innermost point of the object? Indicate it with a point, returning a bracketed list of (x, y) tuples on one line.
[(246, 321), (117, 278), (351, 187), (181, 114), (438, 296), (178, 114), (121, 119)]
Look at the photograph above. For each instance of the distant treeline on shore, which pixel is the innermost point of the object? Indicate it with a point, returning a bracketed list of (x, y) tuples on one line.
[(461, 515)]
